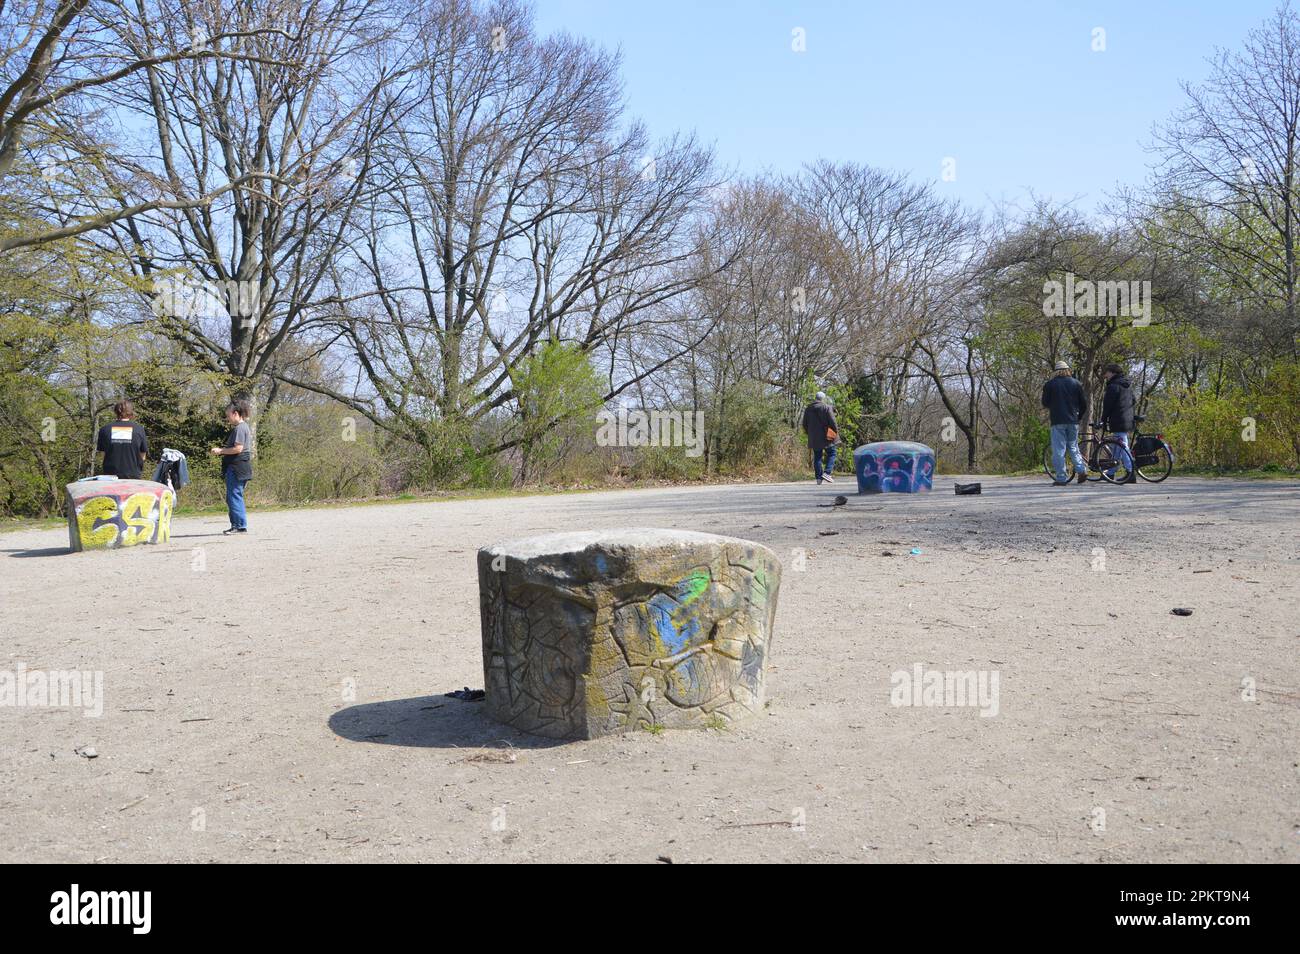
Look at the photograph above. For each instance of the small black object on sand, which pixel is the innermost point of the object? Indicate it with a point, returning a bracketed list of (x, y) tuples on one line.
[(468, 694), (1181, 611), (965, 489)]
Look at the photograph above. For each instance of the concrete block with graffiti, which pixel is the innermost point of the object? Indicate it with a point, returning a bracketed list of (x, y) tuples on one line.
[(899, 467), (105, 513), (597, 632)]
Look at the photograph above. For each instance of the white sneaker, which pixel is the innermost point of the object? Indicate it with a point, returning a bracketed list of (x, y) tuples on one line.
[(829, 479)]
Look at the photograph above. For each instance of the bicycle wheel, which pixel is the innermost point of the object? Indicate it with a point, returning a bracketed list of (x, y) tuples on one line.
[(1159, 468), (1111, 458)]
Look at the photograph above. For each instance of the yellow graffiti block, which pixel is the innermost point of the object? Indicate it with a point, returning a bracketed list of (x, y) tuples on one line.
[(138, 515), (99, 508), (165, 504)]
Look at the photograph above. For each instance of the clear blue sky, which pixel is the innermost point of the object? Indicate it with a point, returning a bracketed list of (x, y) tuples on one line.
[(1012, 90)]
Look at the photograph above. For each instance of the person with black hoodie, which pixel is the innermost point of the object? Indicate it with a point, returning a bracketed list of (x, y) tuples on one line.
[(1117, 414)]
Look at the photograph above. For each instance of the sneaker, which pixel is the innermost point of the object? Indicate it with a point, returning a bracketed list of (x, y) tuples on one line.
[(829, 478), (819, 480), (1082, 477), (226, 533)]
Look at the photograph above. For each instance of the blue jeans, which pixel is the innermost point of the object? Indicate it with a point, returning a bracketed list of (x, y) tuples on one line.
[(818, 469), (1066, 437), (1126, 458), (235, 500)]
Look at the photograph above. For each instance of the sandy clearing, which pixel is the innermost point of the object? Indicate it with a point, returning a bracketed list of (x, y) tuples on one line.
[(1139, 715)]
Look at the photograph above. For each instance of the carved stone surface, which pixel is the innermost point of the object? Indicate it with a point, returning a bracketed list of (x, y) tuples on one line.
[(592, 633), (898, 467), (107, 513)]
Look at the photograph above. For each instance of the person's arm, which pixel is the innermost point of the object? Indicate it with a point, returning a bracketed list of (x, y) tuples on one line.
[(144, 446), (1083, 402), (231, 448), (1046, 384)]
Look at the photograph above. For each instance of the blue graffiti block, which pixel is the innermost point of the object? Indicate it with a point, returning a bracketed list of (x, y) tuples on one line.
[(901, 467)]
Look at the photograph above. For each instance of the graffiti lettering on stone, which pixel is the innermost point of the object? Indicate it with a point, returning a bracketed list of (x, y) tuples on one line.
[(106, 514), (626, 631), (901, 467)]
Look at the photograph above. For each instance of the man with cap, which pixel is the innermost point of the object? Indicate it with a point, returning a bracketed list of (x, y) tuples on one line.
[(823, 434), (1067, 403)]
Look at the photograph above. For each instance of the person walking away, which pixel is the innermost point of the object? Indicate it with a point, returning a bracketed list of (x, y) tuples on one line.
[(1117, 416), (236, 464), (823, 434), (123, 443), (1067, 405)]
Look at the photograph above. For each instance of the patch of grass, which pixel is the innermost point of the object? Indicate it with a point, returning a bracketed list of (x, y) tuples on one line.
[(717, 723), (655, 728)]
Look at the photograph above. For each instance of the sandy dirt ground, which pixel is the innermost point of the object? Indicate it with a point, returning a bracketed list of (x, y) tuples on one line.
[(280, 696)]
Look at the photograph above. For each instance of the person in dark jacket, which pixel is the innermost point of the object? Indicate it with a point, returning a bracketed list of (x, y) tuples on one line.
[(236, 464), (123, 444), (1117, 415), (823, 435), (1067, 404)]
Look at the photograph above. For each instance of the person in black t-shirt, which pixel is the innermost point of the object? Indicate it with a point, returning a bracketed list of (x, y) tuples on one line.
[(123, 444)]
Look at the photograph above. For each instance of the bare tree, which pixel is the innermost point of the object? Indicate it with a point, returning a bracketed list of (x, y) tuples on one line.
[(61, 66), (512, 208), (281, 130), (1226, 184)]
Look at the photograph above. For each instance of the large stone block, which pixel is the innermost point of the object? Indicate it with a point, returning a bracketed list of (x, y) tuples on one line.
[(106, 513), (900, 467), (592, 633)]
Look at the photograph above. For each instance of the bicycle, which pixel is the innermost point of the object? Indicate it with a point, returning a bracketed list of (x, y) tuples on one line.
[(1150, 453)]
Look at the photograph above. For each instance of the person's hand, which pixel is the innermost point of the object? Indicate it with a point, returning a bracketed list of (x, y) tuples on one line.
[(215, 452)]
